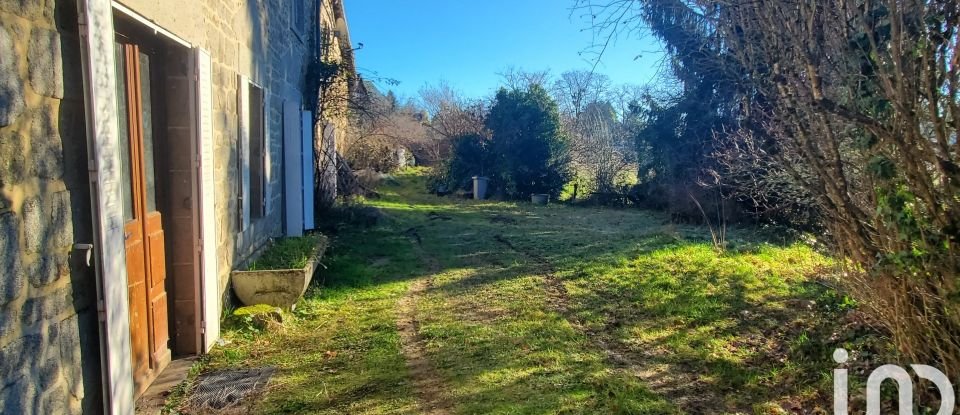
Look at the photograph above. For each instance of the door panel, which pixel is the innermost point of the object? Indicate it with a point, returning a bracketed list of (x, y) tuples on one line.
[(124, 134), (133, 228), (155, 239), (146, 264), (146, 132), (158, 317), (157, 290), (136, 286)]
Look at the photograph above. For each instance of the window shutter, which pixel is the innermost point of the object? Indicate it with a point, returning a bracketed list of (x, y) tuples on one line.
[(266, 153), (243, 148), (306, 122), (292, 164), (204, 195), (100, 94)]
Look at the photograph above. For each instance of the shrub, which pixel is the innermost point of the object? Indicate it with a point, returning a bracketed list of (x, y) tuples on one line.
[(528, 150), (471, 156)]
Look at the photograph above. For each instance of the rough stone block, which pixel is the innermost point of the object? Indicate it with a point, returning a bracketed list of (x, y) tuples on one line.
[(16, 358), (18, 398), (54, 400), (9, 321), (70, 355), (11, 83), (61, 219), (48, 359), (28, 9), (33, 224), (46, 148), (48, 373), (47, 307), (13, 165), (45, 62), (12, 280), (48, 227), (49, 269)]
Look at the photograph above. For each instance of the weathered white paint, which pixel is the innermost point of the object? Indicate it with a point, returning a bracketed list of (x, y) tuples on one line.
[(243, 108), (306, 127), (293, 177), (202, 91), (267, 156), (142, 20), (103, 142)]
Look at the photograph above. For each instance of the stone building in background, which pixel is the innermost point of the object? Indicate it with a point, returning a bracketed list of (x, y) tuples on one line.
[(147, 148), (338, 83)]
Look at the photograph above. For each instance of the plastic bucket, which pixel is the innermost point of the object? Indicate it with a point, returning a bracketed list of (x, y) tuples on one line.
[(539, 198)]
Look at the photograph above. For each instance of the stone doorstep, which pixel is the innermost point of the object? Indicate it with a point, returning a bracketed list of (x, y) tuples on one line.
[(155, 397)]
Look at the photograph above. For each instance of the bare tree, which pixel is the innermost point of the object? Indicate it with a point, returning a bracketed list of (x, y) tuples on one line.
[(574, 90), (452, 115), (518, 78), (868, 113), (385, 131), (601, 148), (856, 104)]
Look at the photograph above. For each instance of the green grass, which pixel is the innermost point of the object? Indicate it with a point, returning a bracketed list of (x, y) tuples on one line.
[(749, 330), (287, 253)]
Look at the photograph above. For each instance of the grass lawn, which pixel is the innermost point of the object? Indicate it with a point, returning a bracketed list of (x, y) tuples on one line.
[(456, 306)]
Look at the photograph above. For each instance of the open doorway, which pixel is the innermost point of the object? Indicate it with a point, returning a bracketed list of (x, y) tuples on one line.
[(158, 173)]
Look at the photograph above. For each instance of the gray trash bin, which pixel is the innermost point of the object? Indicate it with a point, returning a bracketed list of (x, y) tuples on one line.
[(480, 187)]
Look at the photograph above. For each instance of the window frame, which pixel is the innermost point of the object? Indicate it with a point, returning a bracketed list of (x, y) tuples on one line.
[(299, 15), (253, 152)]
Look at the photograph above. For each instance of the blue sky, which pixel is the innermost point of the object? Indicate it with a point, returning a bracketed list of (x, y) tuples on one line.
[(466, 42)]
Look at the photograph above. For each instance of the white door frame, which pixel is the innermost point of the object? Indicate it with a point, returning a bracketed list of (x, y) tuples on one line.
[(96, 27), (103, 146), (205, 260)]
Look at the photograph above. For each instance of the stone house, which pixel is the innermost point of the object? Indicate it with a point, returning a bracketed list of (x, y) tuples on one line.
[(147, 148)]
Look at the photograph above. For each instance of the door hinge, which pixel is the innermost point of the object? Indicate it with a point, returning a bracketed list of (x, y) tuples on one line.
[(101, 311)]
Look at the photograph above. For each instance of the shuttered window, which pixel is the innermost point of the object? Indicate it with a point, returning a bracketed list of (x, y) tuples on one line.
[(252, 149), (257, 154), (298, 16)]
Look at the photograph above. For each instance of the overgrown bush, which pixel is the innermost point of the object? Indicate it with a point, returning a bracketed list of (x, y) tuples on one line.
[(865, 118), (858, 122), (525, 152), (373, 154), (529, 152), (472, 156)]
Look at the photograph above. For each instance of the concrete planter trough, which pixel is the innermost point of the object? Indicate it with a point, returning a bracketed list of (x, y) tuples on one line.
[(276, 287)]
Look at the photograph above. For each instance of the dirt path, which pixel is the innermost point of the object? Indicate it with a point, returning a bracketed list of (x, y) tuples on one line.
[(429, 387), (681, 387)]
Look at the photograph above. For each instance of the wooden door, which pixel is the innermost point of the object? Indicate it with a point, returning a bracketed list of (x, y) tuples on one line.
[(143, 227)]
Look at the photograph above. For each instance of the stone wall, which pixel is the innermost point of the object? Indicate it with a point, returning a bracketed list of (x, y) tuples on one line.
[(253, 38), (49, 353), (49, 345)]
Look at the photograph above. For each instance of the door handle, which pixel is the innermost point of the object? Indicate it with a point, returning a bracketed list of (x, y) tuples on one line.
[(127, 235)]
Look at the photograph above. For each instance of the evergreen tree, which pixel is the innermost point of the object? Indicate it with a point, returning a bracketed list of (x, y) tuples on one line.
[(530, 152)]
